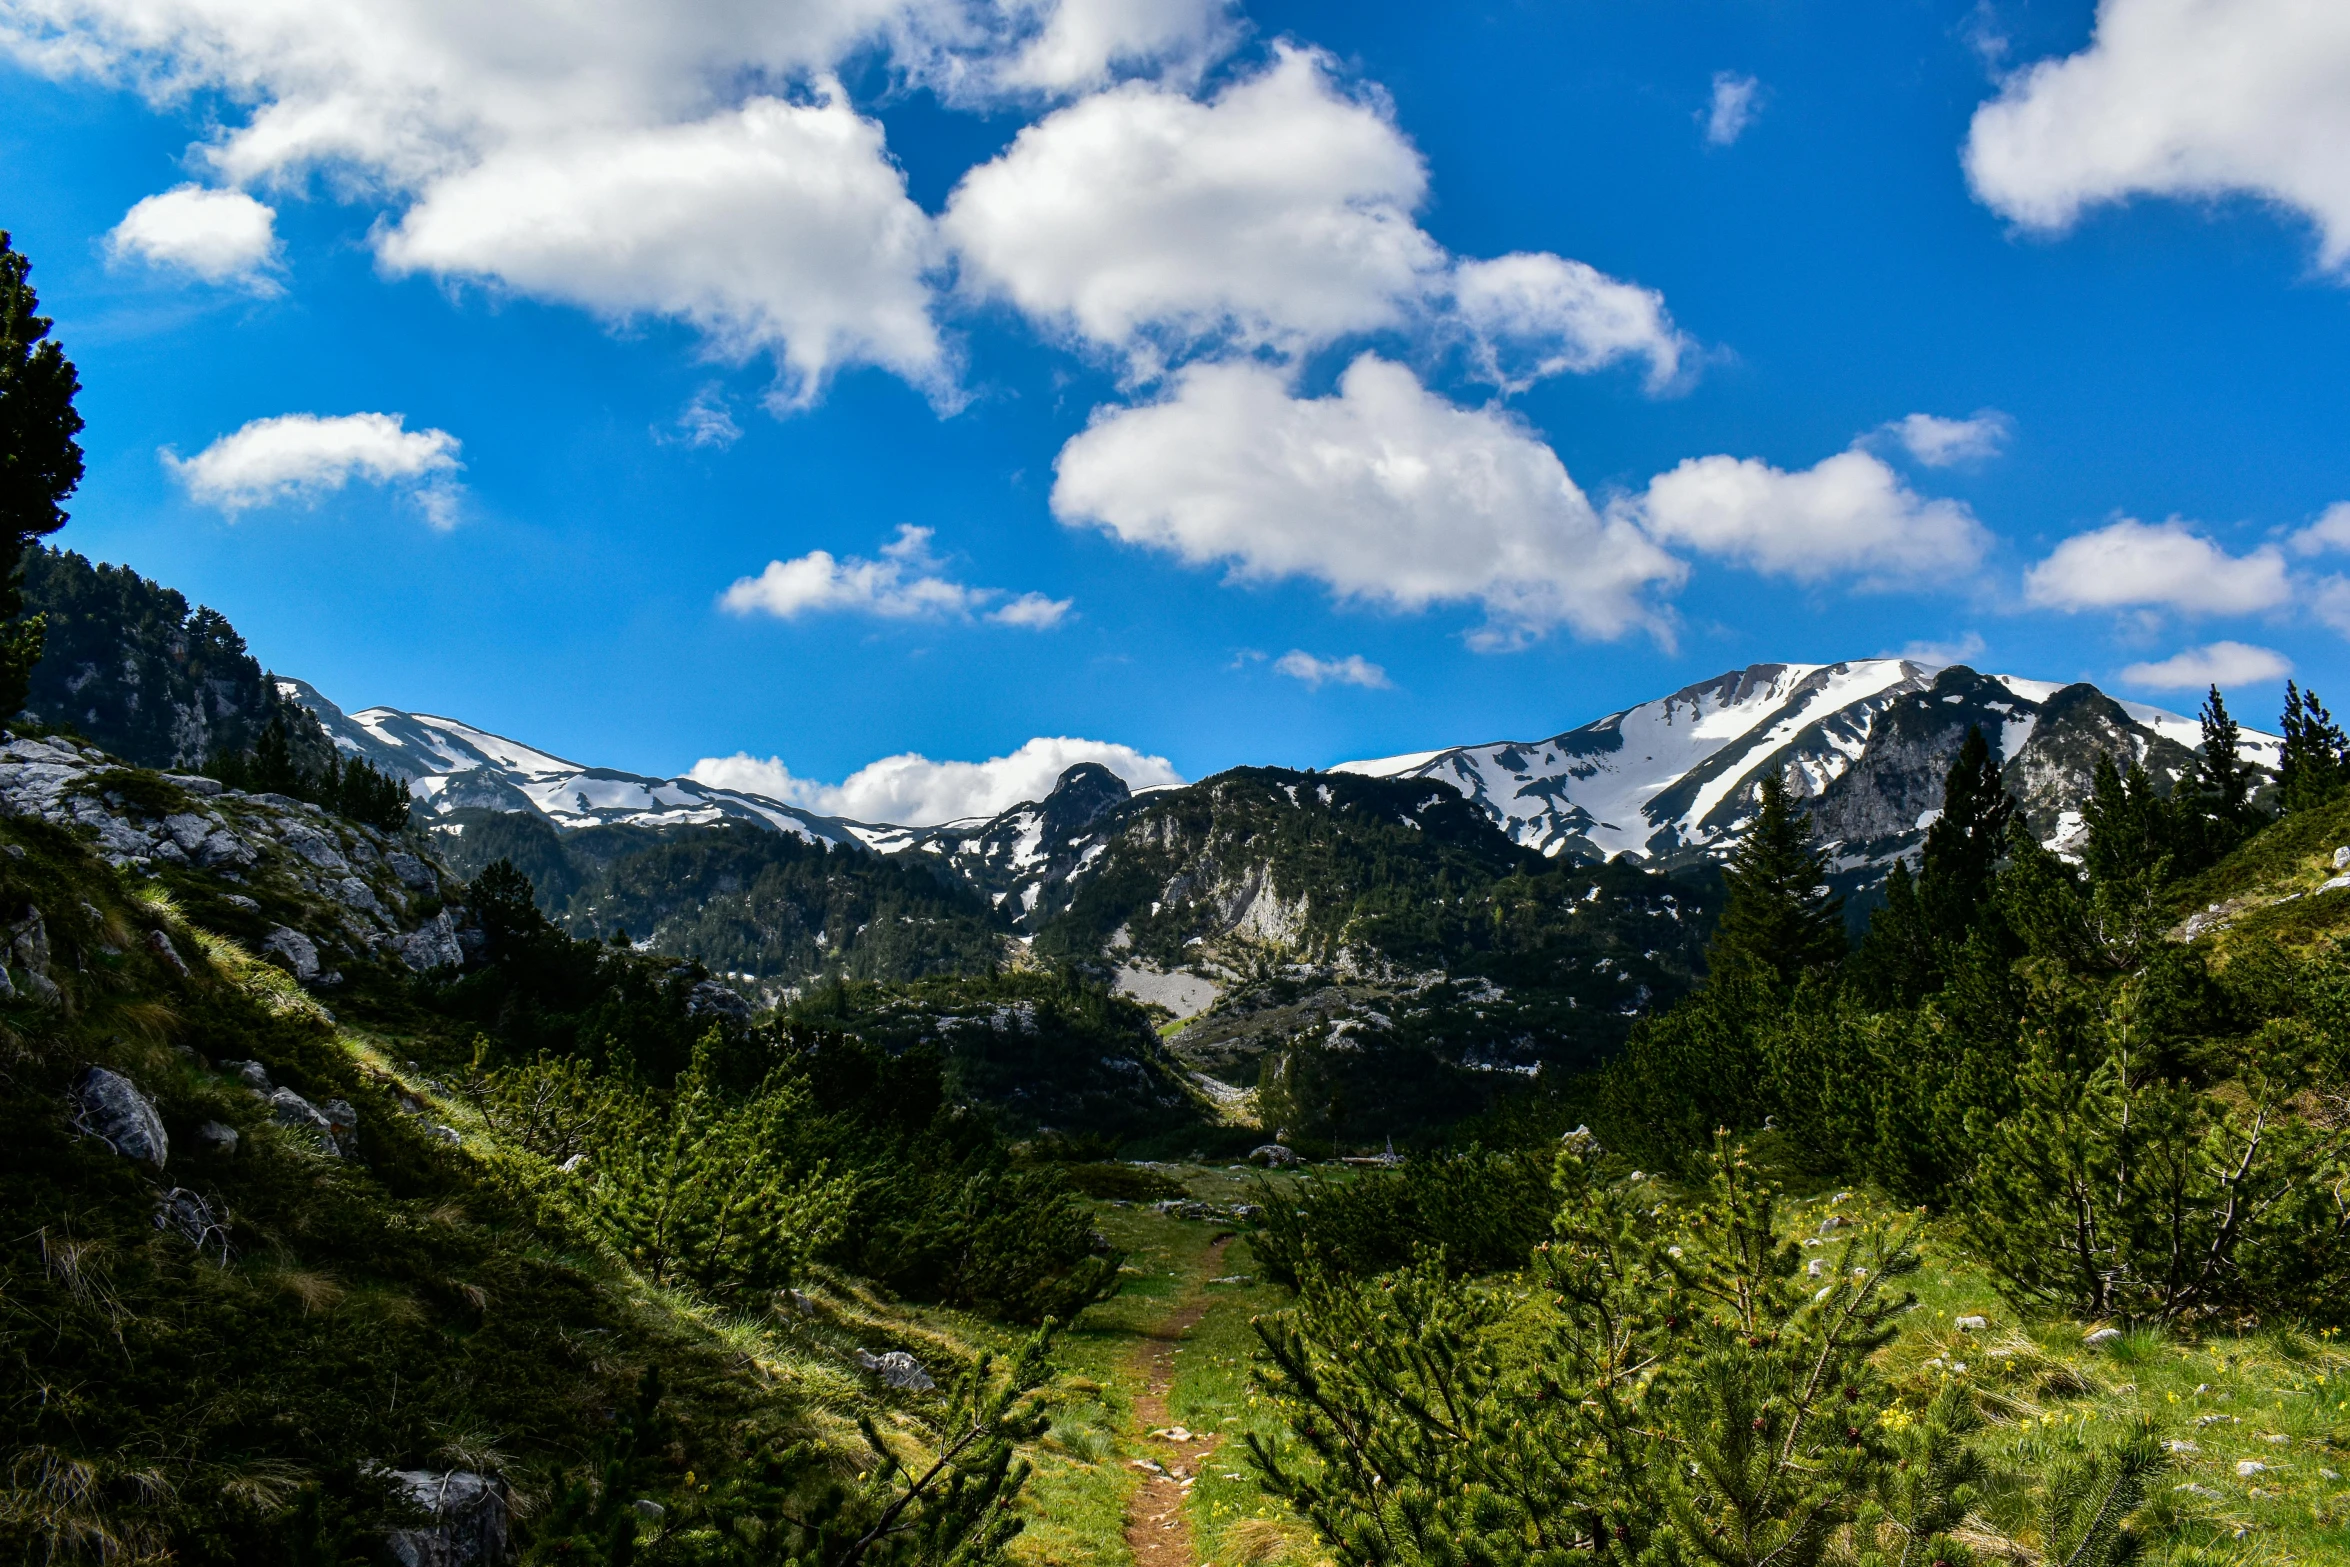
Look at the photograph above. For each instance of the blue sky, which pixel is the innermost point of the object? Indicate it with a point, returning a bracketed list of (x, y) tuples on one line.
[(2140, 342)]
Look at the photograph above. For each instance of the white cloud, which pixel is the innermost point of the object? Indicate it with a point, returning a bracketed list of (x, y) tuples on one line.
[(1150, 223), (706, 422), (1732, 108), (904, 584), (221, 236), (1032, 610), (1077, 43), (1534, 315), (306, 456), (690, 161), (1848, 514), (2167, 565), (1941, 655), (2220, 664), (2179, 98), (2331, 531), (1942, 443), (778, 226), (1279, 212), (1352, 670), (1384, 492), (913, 791)]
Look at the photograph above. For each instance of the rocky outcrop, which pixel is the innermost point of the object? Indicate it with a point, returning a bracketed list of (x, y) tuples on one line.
[(110, 1107), (899, 1369), (469, 1519), (355, 887)]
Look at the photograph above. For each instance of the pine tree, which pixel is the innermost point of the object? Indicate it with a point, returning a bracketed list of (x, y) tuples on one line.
[(1900, 962), (1966, 843), (2131, 831), (1675, 1389), (1779, 917), (2312, 768), (40, 462), (2220, 771)]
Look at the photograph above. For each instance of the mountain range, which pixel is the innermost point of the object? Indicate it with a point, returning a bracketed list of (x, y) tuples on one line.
[(1668, 782)]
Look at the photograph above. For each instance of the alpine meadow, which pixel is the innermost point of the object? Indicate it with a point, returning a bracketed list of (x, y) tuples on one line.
[(1832, 1103)]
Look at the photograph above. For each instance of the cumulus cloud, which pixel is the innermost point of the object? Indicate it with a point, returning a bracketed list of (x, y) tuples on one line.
[(1384, 492), (1732, 108), (906, 583), (2219, 664), (1352, 670), (631, 159), (1151, 223), (1279, 212), (2178, 98), (1077, 44), (221, 236), (777, 226), (2167, 565), (1850, 514), (2331, 531), (1942, 443), (1532, 315), (305, 457), (911, 790)]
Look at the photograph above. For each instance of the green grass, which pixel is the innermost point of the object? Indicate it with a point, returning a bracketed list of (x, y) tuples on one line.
[(2266, 887)]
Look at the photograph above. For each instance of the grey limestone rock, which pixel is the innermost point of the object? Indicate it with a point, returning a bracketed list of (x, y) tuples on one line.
[(196, 784), (414, 874), (251, 1073), (430, 946), (468, 1519), (1275, 1155), (187, 830), (899, 1369), (160, 944), (217, 1137), (299, 951), (112, 1108), (291, 1110), (714, 998)]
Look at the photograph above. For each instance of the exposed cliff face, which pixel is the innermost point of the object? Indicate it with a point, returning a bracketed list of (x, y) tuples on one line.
[(133, 669)]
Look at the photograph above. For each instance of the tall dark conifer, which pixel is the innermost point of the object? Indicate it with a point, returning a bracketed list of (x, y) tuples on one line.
[(1966, 842), (1780, 916), (2311, 769), (2220, 773), (40, 463)]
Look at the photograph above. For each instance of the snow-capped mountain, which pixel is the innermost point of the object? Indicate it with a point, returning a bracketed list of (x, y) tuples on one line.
[(453, 766), (1865, 744)]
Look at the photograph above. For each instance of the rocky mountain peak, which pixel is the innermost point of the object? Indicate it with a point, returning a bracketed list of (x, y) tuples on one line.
[(1081, 795)]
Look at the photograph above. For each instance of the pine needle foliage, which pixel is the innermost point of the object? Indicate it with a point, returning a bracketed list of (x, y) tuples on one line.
[(1666, 1386), (1779, 917)]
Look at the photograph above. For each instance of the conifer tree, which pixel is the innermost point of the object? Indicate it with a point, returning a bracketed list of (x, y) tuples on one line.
[(2131, 831), (2312, 769), (40, 462), (1692, 1396), (1966, 843), (1900, 961), (2220, 770), (1779, 917), (695, 1192)]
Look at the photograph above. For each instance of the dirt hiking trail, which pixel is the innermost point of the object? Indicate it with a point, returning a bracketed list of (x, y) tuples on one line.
[(1156, 1530)]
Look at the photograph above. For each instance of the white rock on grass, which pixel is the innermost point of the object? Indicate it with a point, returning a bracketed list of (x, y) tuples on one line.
[(112, 1109)]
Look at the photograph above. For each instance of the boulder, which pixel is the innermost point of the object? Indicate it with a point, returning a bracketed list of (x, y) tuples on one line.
[(217, 1137), (432, 945), (28, 943), (290, 1109), (159, 943), (1971, 1324), (250, 1073), (468, 1519), (2101, 1337), (196, 783), (111, 1108), (1277, 1156), (414, 874), (711, 997), (193, 1219), (299, 951), (899, 1369), (225, 848)]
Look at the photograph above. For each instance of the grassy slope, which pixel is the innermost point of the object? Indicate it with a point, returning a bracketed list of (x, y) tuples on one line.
[(2269, 886), (412, 1307)]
